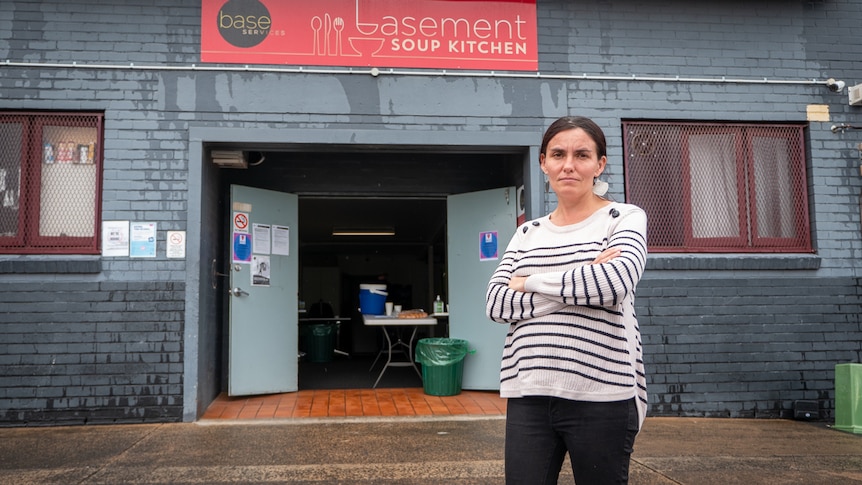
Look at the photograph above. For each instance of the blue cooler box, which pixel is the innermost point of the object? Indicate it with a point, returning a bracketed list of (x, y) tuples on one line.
[(372, 299)]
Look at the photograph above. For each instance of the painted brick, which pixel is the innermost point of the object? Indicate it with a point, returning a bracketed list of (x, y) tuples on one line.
[(730, 338), (139, 339)]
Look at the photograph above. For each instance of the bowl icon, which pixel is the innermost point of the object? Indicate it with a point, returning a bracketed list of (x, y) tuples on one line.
[(366, 45)]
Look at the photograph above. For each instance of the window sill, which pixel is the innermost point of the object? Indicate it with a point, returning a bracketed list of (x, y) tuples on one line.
[(733, 262), (50, 264)]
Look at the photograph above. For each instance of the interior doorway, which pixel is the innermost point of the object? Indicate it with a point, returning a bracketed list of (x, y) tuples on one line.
[(394, 241)]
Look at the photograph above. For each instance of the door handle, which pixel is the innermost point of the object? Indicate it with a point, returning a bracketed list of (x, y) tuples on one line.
[(237, 292), (214, 274)]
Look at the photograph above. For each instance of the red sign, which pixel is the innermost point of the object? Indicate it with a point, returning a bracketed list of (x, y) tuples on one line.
[(441, 34)]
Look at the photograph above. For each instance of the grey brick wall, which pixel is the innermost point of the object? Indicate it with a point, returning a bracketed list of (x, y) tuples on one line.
[(746, 347), (90, 352), (101, 341)]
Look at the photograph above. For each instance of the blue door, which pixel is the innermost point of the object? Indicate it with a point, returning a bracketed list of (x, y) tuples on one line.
[(480, 225), (263, 294)]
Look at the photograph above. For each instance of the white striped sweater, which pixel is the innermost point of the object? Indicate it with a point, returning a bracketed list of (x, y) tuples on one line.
[(573, 333)]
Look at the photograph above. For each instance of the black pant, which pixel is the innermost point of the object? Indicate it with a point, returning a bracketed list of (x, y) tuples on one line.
[(599, 437)]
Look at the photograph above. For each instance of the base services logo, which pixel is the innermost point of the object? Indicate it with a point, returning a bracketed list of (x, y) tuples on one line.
[(244, 23)]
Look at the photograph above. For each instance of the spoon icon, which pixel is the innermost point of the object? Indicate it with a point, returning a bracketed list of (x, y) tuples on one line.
[(316, 24)]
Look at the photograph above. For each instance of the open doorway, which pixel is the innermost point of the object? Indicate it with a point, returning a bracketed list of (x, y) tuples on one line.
[(369, 180)]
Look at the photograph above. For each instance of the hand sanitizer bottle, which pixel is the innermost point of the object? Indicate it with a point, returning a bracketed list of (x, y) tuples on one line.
[(439, 307)]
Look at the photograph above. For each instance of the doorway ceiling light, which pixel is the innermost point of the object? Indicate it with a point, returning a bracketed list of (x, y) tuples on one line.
[(384, 231), (229, 158)]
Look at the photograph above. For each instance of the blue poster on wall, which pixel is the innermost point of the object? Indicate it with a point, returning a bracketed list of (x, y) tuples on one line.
[(488, 246), (142, 240), (241, 247)]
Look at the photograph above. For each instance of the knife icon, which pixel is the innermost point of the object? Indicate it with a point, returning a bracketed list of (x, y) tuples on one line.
[(327, 30)]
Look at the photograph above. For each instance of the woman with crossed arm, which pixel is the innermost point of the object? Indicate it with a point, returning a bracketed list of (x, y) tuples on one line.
[(572, 366)]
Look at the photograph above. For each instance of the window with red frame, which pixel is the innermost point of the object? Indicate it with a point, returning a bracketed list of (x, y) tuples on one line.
[(50, 182), (719, 187)]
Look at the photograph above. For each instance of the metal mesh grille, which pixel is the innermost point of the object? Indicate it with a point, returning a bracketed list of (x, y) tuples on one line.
[(719, 187), (50, 180), (11, 150)]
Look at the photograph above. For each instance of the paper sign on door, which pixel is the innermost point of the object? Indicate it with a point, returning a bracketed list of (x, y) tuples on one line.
[(488, 246), (241, 247)]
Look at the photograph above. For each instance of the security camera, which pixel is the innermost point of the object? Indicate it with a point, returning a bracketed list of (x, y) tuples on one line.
[(835, 86)]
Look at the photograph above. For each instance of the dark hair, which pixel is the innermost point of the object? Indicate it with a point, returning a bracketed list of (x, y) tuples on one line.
[(570, 123)]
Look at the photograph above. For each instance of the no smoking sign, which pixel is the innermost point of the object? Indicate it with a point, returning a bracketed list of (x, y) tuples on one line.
[(240, 222), (176, 247)]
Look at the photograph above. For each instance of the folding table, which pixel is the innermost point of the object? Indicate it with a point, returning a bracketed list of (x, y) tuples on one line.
[(386, 323)]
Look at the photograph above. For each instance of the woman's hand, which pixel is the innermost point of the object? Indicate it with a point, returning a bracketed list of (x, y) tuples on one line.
[(517, 283), (606, 255)]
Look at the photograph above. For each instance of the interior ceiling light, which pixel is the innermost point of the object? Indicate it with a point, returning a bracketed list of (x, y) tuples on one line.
[(385, 231)]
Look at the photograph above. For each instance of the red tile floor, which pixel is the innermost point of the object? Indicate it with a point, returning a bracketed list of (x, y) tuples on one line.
[(356, 403)]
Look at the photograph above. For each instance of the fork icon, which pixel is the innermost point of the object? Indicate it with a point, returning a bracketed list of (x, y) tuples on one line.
[(338, 25)]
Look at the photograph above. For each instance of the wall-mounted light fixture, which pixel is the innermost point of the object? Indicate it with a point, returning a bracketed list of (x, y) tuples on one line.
[(383, 231), (229, 158)]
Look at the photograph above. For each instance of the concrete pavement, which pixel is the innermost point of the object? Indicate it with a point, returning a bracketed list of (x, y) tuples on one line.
[(697, 451)]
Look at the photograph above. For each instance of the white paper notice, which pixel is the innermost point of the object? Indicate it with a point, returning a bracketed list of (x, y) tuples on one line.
[(115, 238), (260, 270), (281, 240), (261, 238)]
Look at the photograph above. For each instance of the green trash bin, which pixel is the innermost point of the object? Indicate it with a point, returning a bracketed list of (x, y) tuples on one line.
[(442, 362), (319, 340), (848, 398)]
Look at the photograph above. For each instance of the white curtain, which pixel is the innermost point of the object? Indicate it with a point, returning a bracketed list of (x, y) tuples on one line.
[(714, 192), (774, 199)]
